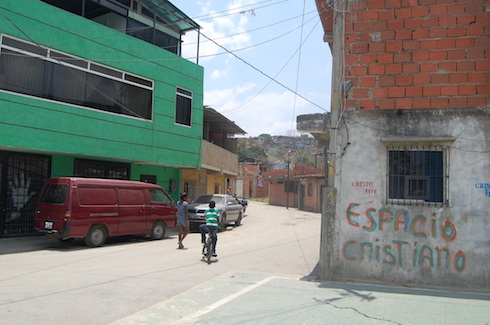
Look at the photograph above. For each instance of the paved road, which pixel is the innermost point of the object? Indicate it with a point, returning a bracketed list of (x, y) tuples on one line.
[(264, 275)]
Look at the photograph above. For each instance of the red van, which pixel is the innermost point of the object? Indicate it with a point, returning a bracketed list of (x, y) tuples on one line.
[(95, 209)]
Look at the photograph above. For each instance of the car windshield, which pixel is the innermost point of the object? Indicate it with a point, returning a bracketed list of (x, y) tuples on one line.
[(209, 198)]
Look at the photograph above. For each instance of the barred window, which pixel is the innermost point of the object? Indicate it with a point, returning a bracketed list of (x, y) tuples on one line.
[(417, 175), (101, 169)]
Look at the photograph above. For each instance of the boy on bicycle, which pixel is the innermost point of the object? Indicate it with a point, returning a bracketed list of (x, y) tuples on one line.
[(211, 225)]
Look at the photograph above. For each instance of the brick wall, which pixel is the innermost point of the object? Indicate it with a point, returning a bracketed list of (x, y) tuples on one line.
[(417, 54)]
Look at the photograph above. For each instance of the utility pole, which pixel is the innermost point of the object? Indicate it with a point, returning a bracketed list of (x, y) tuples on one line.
[(328, 236)]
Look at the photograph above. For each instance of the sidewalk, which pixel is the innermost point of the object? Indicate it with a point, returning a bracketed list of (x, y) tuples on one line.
[(252, 298), (25, 244)]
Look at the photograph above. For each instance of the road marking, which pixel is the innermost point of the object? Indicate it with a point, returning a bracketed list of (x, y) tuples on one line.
[(226, 300)]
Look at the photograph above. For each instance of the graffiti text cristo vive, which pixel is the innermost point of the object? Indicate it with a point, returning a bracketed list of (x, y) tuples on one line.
[(393, 253)]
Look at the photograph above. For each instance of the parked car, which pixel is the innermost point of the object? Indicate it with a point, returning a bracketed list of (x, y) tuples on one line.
[(229, 208)]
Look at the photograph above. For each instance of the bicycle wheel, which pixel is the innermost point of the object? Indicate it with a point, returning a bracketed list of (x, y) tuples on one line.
[(209, 249)]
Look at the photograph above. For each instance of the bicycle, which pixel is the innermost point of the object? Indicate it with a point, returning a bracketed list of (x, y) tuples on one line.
[(207, 249)]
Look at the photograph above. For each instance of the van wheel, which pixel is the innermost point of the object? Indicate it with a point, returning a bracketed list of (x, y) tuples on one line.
[(158, 231), (96, 236)]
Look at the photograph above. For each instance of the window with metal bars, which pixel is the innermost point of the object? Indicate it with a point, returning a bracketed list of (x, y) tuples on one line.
[(418, 175)]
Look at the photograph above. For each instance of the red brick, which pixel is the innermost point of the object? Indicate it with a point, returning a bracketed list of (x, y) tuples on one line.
[(477, 77), (456, 9), (447, 66), (438, 10), (367, 81), (412, 23), (404, 103), (411, 45), (387, 14), (482, 17), (358, 70), (364, 37), (411, 68), (464, 20), (360, 93), (394, 24), (350, 103), (427, 2), (439, 78), (404, 80), (360, 26), (394, 4), (475, 31), (359, 48), (368, 15), (438, 32), (421, 103), (368, 58), (352, 59), (378, 69), (394, 47), (380, 92), (395, 68), (403, 34), (402, 57), (456, 31), (483, 89), (421, 79), (403, 13), (432, 91), (464, 43), (375, 4), (428, 67), (465, 66), (420, 33), (386, 104), (449, 90), (474, 53), (386, 81), (456, 55), (387, 36), (367, 104), (482, 65), (377, 47), (478, 101), (467, 90), (447, 21), (428, 44), (420, 11), (476, 6), (445, 44), (437, 56), (396, 92), (458, 78), (385, 58), (430, 22), (377, 26), (352, 38), (414, 91), (439, 103), (460, 102), (420, 56)]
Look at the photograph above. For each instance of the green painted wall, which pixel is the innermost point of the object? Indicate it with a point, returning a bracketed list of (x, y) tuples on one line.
[(65, 131)]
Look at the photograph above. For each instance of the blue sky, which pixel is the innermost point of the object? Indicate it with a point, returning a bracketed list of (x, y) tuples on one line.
[(268, 39)]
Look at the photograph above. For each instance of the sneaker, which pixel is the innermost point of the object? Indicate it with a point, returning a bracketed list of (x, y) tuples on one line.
[(181, 246), (215, 255)]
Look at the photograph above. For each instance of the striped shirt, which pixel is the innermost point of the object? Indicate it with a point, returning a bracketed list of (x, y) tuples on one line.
[(212, 217)]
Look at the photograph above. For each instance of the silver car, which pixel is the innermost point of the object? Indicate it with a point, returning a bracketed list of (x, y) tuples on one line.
[(230, 210)]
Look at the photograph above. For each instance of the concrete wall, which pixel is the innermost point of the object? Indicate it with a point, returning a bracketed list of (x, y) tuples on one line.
[(412, 243)]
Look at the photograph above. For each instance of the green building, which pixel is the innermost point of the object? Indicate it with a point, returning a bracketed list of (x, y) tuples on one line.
[(93, 89)]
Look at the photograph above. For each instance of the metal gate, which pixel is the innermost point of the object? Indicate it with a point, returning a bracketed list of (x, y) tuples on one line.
[(21, 179)]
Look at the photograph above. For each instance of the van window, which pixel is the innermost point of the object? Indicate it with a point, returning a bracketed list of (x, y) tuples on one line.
[(96, 196), (160, 197), (131, 196), (54, 194)]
